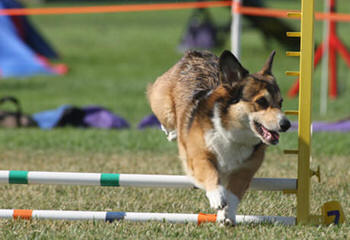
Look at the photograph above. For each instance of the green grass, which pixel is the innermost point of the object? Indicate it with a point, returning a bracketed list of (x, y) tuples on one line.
[(112, 57)]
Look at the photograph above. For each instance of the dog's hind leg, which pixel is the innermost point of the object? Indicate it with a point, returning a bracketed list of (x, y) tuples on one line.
[(167, 119), (171, 135), (162, 105)]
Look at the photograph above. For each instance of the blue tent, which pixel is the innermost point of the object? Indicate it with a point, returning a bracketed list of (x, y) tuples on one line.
[(28, 33), (17, 59)]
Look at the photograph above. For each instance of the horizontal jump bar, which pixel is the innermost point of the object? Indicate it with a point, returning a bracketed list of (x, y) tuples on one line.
[(113, 8), (136, 180), (29, 214)]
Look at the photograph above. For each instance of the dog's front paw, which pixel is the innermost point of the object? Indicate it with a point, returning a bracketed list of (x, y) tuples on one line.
[(227, 215), (225, 219), (217, 197)]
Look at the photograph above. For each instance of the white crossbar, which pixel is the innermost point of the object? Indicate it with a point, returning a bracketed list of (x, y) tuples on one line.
[(136, 180), (135, 216)]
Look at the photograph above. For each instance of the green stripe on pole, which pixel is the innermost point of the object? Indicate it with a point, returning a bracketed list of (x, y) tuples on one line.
[(109, 179), (18, 177)]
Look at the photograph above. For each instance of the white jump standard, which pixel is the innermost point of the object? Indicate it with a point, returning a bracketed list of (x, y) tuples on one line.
[(135, 180)]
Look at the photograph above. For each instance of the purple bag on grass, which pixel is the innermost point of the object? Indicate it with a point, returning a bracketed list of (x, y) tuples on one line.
[(89, 116), (99, 117)]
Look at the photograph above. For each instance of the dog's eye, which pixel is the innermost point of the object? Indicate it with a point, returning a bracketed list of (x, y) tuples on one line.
[(262, 102)]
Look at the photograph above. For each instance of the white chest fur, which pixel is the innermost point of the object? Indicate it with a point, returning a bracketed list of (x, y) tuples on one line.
[(232, 147)]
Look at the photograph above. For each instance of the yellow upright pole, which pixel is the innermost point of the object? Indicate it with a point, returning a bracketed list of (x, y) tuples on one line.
[(304, 116)]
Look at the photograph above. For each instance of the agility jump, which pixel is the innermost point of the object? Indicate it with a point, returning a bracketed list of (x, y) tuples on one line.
[(299, 186)]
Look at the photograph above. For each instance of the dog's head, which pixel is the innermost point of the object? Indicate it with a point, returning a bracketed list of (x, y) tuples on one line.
[(251, 102)]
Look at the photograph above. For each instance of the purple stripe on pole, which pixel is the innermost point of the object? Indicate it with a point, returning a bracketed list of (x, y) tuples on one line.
[(340, 126)]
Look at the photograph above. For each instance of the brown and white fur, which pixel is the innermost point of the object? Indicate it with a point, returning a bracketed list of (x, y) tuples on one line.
[(223, 119)]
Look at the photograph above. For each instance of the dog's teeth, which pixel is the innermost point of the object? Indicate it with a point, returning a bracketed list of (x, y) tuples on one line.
[(275, 135)]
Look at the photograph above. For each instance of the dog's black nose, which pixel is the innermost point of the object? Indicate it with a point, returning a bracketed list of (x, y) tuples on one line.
[(284, 124)]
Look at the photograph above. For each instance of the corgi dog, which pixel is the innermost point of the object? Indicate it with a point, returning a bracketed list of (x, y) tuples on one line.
[(223, 118)]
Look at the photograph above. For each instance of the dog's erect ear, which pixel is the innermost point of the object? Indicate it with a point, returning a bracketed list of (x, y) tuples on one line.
[(231, 69), (266, 69)]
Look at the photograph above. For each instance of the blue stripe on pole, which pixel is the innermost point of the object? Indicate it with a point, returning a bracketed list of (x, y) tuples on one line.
[(111, 216)]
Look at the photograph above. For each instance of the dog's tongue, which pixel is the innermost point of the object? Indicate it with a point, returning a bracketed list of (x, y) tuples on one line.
[(266, 134), (270, 136)]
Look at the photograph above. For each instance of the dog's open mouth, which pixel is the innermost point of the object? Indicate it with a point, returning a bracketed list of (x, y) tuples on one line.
[(270, 137)]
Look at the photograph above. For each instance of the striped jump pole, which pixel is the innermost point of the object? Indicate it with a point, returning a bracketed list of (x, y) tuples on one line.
[(135, 216), (136, 180)]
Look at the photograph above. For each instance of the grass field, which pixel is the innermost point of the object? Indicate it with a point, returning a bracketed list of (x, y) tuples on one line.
[(112, 57)]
